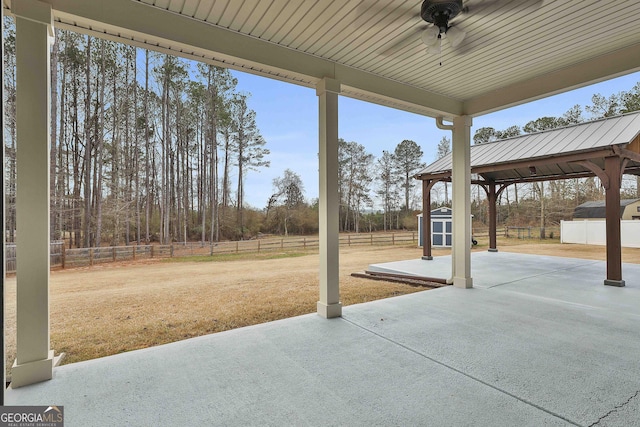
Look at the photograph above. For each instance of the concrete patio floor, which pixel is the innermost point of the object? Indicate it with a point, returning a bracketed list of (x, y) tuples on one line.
[(538, 341)]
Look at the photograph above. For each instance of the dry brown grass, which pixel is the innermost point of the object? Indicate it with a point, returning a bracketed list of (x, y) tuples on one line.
[(112, 308)]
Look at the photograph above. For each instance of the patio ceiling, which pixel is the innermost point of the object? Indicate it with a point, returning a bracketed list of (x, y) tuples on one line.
[(515, 51)]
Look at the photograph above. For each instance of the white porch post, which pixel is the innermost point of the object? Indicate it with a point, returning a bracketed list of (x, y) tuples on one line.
[(329, 304), (34, 32), (461, 202)]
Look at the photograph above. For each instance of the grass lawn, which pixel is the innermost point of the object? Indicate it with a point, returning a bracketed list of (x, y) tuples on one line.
[(112, 308)]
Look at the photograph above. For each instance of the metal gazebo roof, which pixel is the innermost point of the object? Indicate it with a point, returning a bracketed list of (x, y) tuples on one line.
[(552, 154)]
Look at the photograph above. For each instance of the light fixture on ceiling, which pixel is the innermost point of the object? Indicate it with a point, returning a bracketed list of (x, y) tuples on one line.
[(439, 13), (455, 36)]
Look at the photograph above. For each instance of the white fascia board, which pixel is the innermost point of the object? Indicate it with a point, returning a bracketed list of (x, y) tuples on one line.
[(372, 88), (598, 69), (134, 20)]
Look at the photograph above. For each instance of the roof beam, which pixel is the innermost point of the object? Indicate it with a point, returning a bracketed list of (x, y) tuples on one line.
[(574, 157), (132, 19), (604, 67)]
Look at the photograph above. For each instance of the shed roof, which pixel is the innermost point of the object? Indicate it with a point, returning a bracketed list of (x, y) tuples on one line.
[(552, 153), (597, 209), (603, 203)]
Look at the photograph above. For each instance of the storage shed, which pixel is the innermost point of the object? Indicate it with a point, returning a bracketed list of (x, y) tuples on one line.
[(441, 227), (629, 209)]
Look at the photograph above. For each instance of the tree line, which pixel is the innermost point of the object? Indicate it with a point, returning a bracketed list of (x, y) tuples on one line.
[(365, 185), (149, 147), (144, 146)]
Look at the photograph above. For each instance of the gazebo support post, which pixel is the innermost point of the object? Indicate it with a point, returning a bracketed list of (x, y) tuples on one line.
[(426, 219), (611, 178), (612, 168), (493, 214)]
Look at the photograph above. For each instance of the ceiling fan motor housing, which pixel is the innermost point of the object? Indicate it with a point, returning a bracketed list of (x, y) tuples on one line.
[(440, 12)]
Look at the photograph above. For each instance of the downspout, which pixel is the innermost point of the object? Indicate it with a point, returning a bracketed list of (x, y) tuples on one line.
[(440, 124)]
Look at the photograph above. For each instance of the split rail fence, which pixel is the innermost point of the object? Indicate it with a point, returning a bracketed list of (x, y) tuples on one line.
[(82, 257)]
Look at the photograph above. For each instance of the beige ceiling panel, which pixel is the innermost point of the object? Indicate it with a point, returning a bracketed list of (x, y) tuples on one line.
[(283, 25), (234, 13), (162, 4), (203, 10), (510, 55), (261, 18), (190, 7)]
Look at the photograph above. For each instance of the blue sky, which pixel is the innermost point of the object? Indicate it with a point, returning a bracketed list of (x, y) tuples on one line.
[(287, 116)]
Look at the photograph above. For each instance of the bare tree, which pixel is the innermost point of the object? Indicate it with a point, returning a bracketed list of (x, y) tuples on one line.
[(444, 148), (249, 145), (387, 187), (408, 156)]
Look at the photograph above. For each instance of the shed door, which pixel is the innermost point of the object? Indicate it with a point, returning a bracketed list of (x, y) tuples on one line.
[(441, 232)]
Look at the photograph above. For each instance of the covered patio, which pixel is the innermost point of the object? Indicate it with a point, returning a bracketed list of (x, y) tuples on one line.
[(512, 54), (538, 341)]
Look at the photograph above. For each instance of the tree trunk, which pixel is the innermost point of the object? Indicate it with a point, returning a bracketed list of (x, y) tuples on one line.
[(62, 166), (54, 140), (99, 136), (136, 151), (87, 150), (147, 168), (226, 187)]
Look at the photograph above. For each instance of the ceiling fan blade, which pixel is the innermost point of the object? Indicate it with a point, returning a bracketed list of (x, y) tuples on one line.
[(373, 8), (482, 7), (392, 47)]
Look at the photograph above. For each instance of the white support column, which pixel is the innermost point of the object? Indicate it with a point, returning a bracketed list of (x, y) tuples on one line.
[(329, 305), (461, 202), (34, 33)]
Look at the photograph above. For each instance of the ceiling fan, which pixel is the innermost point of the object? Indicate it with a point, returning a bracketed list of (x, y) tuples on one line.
[(439, 14)]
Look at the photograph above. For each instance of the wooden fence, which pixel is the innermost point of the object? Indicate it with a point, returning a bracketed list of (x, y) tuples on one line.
[(56, 255), (69, 258)]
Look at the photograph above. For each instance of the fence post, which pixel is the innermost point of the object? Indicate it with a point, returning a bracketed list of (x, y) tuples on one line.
[(393, 239), (281, 243), (171, 250), (258, 245), (113, 253), (211, 250), (304, 243), (64, 256), (371, 239), (134, 252), (348, 239), (90, 256), (237, 244), (151, 251)]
